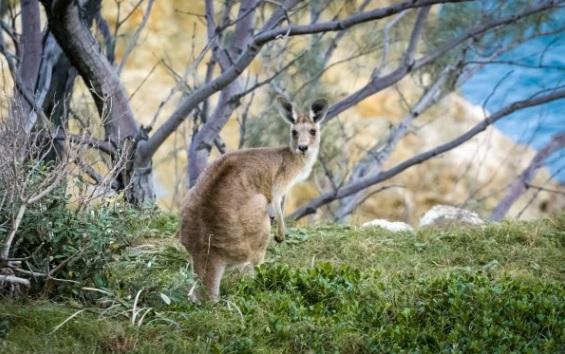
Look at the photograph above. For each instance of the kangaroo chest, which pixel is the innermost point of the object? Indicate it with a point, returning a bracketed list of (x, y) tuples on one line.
[(283, 186)]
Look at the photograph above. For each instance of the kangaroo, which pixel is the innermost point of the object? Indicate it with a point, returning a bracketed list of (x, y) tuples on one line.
[(226, 219)]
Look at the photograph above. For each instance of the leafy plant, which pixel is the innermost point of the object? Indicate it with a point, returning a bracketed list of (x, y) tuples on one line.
[(75, 247), (340, 289)]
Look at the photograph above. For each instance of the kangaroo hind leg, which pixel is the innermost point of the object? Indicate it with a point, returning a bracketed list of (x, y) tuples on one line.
[(209, 270)]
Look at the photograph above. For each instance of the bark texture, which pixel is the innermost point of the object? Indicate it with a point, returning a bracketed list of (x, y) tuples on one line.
[(120, 126), (30, 47)]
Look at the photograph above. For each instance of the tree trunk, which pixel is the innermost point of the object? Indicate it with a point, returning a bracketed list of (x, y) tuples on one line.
[(203, 140), (82, 50), (30, 47), (57, 75), (111, 100), (56, 79), (57, 83)]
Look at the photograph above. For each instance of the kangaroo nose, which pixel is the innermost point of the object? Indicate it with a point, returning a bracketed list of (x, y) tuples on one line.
[(303, 148)]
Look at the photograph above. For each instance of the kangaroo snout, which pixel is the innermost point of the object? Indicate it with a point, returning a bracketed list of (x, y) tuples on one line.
[(303, 148)]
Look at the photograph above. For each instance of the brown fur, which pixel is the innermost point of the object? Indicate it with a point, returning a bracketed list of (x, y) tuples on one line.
[(226, 219)]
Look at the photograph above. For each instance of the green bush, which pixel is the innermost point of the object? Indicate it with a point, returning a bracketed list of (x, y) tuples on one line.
[(332, 289), (327, 308), (79, 244)]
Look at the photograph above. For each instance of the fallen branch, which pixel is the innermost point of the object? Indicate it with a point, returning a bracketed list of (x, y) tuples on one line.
[(14, 280)]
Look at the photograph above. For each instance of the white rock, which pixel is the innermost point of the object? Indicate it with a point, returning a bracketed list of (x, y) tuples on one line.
[(448, 215), (394, 226)]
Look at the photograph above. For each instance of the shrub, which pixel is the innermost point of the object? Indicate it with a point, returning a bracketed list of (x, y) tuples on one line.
[(339, 308), (371, 292), (75, 247)]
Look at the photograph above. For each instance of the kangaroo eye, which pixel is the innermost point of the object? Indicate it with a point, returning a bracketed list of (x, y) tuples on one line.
[(294, 133), (313, 132)]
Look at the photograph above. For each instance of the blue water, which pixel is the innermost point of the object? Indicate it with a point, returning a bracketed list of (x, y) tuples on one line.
[(536, 125)]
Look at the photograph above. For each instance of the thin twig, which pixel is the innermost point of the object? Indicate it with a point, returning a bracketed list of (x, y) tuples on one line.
[(133, 41), (56, 328)]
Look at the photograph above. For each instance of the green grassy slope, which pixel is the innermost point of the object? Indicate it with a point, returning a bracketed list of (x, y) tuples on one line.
[(327, 289)]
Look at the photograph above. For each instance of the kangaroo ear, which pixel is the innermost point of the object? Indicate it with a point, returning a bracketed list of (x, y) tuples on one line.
[(319, 110), (286, 110)]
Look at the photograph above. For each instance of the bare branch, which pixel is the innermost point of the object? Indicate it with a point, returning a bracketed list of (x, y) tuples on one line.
[(378, 154), (333, 44), (377, 84), (149, 73), (81, 49), (243, 122), (338, 25), (386, 44), (538, 191), (22, 89), (517, 63), (133, 41), (254, 46), (14, 279), (544, 189), (121, 21), (91, 172), (15, 226), (109, 40), (266, 81), (86, 140), (52, 185), (521, 184), (415, 36), (11, 33), (368, 181), (201, 144)]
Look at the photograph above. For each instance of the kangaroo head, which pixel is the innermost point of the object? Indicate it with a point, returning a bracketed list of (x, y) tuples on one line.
[(304, 129)]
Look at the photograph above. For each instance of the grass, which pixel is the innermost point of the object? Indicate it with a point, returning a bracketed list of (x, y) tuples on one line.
[(327, 289)]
